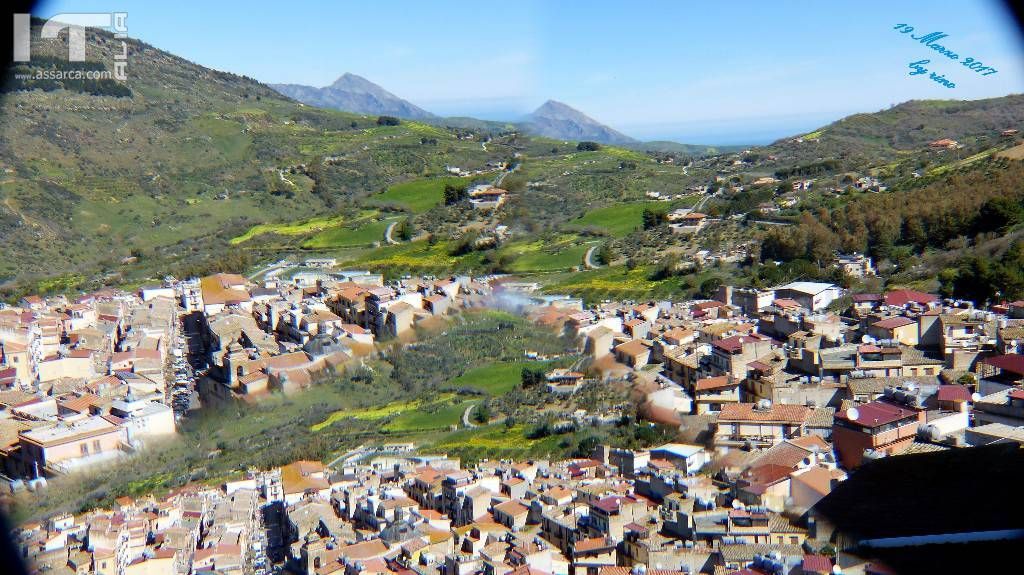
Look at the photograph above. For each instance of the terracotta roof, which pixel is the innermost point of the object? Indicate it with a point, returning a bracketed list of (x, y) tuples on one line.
[(817, 564), (893, 322), (735, 343), (1011, 362), (902, 297), (513, 508), (719, 382), (954, 393), (876, 413), (593, 544), (633, 347), (780, 413)]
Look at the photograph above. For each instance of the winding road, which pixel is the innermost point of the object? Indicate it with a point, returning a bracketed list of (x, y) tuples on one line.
[(587, 261), (387, 233), (465, 416)]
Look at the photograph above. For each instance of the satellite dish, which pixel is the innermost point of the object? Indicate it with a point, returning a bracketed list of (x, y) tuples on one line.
[(852, 414), (975, 396), (737, 504), (837, 570)]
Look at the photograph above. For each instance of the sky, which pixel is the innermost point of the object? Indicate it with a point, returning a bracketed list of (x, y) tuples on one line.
[(696, 72)]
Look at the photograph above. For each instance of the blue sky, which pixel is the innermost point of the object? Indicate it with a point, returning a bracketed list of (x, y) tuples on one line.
[(702, 72)]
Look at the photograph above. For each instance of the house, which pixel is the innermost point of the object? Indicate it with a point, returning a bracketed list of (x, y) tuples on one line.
[(487, 197), (711, 393), (69, 445), (944, 144), (633, 353), (855, 265), (690, 458), (687, 223), (759, 424), (511, 514), (906, 297), (732, 355), (899, 329), (1006, 407), (878, 428), (815, 296), (222, 290), (748, 300), (591, 554), (303, 478)]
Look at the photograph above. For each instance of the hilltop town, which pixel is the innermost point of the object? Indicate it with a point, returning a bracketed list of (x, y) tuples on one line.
[(767, 401)]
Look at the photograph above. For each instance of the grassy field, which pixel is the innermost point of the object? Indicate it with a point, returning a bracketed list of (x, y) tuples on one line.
[(415, 257), (498, 440), (422, 419), (365, 234), (542, 256), (290, 229), (367, 413), (417, 196), (619, 220), (494, 378), (619, 282)]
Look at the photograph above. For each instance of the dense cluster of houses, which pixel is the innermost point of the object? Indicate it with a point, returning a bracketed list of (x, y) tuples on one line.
[(82, 380), (428, 515), (781, 396), (279, 334), (753, 370), (90, 379)]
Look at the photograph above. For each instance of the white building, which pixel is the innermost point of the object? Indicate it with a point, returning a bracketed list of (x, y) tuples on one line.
[(814, 296)]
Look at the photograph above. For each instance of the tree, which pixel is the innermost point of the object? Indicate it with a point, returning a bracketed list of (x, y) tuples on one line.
[(709, 287), (482, 413), (406, 229), (454, 194), (653, 218), (532, 376), (588, 146), (388, 121), (604, 255)]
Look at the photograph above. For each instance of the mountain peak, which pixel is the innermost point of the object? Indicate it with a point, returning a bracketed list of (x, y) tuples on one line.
[(350, 81), (554, 119), (354, 93)]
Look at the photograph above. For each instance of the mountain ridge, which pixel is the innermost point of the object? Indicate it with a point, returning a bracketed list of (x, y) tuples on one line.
[(554, 119), (355, 94)]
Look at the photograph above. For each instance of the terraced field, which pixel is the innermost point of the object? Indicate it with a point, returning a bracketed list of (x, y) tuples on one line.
[(417, 196), (494, 378)]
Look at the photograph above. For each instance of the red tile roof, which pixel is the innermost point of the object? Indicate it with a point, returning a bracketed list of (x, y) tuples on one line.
[(1011, 362), (817, 564), (876, 413), (954, 393), (775, 414), (902, 297), (714, 383), (893, 322)]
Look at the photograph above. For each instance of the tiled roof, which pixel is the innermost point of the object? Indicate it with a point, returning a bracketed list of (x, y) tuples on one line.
[(775, 414), (1011, 362)]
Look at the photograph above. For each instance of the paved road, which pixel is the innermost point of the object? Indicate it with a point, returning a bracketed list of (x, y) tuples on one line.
[(501, 176), (587, 261), (347, 455), (465, 416), (387, 233), (267, 269), (768, 223)]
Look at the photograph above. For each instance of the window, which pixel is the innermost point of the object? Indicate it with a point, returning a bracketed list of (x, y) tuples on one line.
[(96, 446), (85, 449)]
